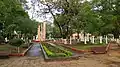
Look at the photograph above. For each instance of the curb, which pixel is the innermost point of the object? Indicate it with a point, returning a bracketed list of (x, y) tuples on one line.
[(74, 49), (25, 51), (46, 58), (20, 54)]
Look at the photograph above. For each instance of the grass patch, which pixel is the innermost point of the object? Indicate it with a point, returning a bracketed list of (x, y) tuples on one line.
[(4, 48), (13, 49), (55, 51), (86, 46)]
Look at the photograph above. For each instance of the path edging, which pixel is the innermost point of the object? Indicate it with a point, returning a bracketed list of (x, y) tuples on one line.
[(21, 54)]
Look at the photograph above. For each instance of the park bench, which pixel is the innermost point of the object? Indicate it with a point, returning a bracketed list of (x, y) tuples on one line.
[(4, 54), (101, 50)]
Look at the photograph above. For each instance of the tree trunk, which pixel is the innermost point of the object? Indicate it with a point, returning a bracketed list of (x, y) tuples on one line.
[(77, 36), (18, 49), (55, 20), (10, 50)]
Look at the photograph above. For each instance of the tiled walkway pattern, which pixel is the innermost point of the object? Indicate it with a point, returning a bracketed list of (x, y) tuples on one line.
[(39, 62)]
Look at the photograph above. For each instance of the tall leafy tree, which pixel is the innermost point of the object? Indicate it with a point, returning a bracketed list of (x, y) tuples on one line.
[(71, 13), (14, 18), (108, 11)]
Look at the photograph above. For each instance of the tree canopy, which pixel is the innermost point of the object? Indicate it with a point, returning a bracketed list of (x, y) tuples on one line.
[(98, 17), (14, 18)]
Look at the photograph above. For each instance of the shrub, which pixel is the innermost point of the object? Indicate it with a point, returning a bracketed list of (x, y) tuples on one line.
[(16, 43), (68, 53), (49, 53), (1, 39), (24, 45), (56, 51), (61, 55)]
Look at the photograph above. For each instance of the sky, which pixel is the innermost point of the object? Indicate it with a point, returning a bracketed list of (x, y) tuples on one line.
[(36, 10)]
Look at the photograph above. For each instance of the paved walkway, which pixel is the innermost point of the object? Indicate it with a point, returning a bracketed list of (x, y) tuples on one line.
[(35, 50), (39, 62), (35, 60)]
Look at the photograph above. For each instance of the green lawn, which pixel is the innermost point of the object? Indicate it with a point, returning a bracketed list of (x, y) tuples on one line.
[(8, 47), (86, 46), (4, 47)]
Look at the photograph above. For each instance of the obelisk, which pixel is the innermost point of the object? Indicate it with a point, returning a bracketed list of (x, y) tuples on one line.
[(39, 32), (44, 31)]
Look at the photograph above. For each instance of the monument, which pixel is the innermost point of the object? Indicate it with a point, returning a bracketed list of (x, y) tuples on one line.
[(39, 37), (44, 31), (41, 32)]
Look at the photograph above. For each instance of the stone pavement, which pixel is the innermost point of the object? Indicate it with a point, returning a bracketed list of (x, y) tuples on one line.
[(39, 62)]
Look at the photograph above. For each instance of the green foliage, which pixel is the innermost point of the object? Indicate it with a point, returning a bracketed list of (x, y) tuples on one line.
[(1, 39), (49, 53), (16, 42), (68, 53), (74, 17), (108, 16), (55, 32), (61, 55), (14, 18), (55, 52), (98, 17)]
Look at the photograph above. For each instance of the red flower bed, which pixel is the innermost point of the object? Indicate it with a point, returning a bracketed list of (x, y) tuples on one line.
[(16, 54)]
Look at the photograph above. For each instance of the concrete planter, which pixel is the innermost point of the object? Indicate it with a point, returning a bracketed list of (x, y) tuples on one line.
[(74, 57), (74, 49), (44, 53)]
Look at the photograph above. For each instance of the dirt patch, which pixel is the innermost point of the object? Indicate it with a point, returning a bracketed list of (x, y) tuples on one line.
[(110, 59), (113, 64)]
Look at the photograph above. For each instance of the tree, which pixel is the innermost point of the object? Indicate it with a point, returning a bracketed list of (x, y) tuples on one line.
[(16, 43), (70, 11), (109, 14), (93, 16), (14, 18), (81, 19)]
